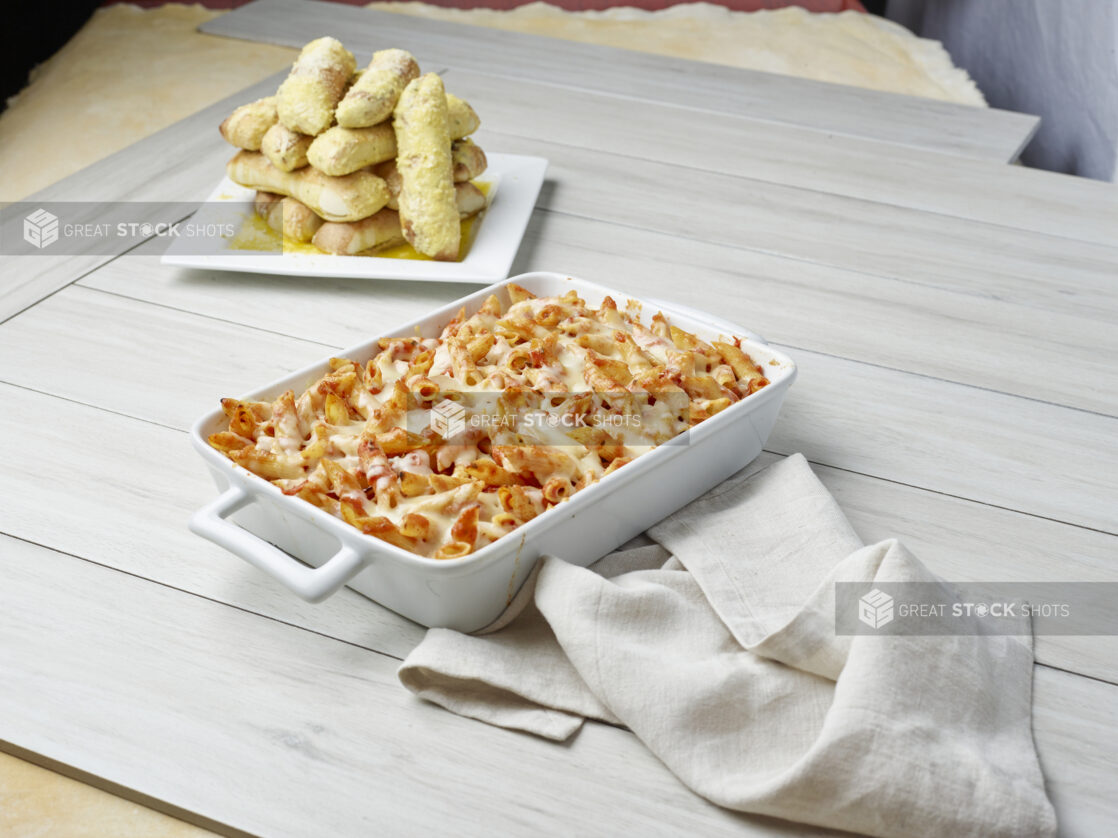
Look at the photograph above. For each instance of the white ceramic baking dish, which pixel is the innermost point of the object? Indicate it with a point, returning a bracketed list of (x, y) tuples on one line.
[(314, 554)]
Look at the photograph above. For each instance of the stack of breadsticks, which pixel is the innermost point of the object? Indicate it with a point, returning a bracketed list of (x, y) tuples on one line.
[(356, 162)]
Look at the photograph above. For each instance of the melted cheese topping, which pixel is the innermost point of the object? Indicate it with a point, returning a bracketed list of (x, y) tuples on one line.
[(442, 445)]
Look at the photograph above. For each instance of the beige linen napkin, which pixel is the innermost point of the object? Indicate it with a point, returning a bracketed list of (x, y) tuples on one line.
[(717, 648)]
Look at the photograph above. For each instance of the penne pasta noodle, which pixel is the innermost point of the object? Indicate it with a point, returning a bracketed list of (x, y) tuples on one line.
[(742, 365), (557, 489), (517, 294), (464, 528), (454, 550)]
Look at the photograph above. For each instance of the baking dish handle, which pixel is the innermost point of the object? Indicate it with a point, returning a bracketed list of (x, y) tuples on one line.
[(311, 583), (703, 317)]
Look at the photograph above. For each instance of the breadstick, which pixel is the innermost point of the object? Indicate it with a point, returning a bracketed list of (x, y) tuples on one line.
[(264, 203), (284, 148), (469, 199), (428, 212), (468, 159), (339, 151), (287, 216), (245, 127), (348, 198), (470, 168), (306, 100), (374, 95), (379, 230), (463, 119), (300, 222), (383, 229), (388, 172)]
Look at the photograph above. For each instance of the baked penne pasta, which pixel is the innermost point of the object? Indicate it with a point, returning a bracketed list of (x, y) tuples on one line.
[(568, 393)]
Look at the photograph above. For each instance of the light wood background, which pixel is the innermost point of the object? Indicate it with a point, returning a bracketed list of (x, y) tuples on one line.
[(953, 318)]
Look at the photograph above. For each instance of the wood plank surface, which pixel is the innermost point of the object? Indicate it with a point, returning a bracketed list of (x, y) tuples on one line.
[(184, 153), (820, 161), (165, 167), (983, 260), (134, 486), (941, 333), (905, 120), (281, 732), (135, 520), (843, 232), (1076, 720), (952, 319), (841, 413), (163, 686)]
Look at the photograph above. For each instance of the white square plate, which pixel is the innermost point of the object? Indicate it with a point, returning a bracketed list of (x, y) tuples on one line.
[(514, 184)]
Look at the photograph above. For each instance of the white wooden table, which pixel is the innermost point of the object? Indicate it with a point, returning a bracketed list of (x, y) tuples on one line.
[(953, 318)]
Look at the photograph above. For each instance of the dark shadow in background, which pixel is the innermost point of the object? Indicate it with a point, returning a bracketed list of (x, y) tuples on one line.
[(32, 33)]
